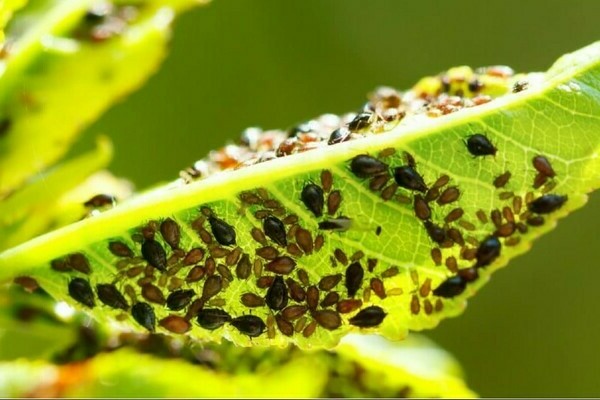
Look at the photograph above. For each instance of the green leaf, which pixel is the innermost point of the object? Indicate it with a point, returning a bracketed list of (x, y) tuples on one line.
[(352, 372), (7, 9), (556, 116), (63, 69)]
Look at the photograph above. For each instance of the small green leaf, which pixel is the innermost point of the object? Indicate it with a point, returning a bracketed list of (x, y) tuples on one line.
[(381, 271)]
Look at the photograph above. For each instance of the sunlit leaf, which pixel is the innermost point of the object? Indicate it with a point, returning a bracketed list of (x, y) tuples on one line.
[(385, 258)]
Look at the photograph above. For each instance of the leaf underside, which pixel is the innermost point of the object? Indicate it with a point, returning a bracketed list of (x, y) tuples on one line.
[(409, 279)]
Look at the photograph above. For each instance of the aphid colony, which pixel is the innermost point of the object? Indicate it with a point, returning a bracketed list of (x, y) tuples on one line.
[(446, 93), (155, 270)]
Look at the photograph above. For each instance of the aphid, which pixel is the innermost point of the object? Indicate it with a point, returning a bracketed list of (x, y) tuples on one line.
[(252, 300), (548, 187), (258, 235), (543, 166), (536, 220), (340, 256), (303, 276), (212, 286), (513, 241), (312, 297), (453, 215), (469, 274), (364, 166), (309, 329), (60, 266), (290, 219), (277, 295), (425, 288), (389, 192), (257, 267), (296, 291), (339, 135), (466, 225), (348, 306), (451, 264), (451, 287), (79, 262), (284, 326), (368, 317), (267, 252), (249, 325), (333, 202), (29, 284), (435, 232), (378, 288), (519, 86), (378, 182), (432, 194), (218, 252), (328, 282), (169, 230), (415, 305), (294, 250), (480, 145), (388, 273), (441, 181), (120, 249), (143, 314), (517, 204), (456, 236), (408, 178), (194, 256), (212, 318), (481, 216), (292, 313), (175, 324), (244, 267), (275, 230), (154, 254), (179, 299), (264, 282), (330, 299), (449, 195), (357, 255), (501, 180), (204, 235), (539, 180), (378, 230), (436, 256), (110, 296), (489, 249), (281, 265), (362, 121), (304, 240), (153, 294), (505, 230), (328, 319), (313, 198), (422, 210), (100, 200), (469, 254), (81, 291), (354, 277), (209, 266), (339, 224), (547, 203), (496, 217), (223, 232), (250, 198), (326, 180)]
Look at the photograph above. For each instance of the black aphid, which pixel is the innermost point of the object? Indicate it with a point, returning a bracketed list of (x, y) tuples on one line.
[(361, 121), (80, 290), (212, 318), (144, 315), (451, 287), (154, 254), (354, 278), (337, 224), (408, 178), (435, 232), (170, 231), (547, 203), (275, 230), (368, 317), (365, 166), (313, 198), (224, 233), (179, 299), (480, 145), (100, 200), (249, 325), (489, 249), (110, 295), (277, 295), (339, 135)]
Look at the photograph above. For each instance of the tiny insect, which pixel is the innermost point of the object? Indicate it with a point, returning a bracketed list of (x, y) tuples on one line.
[(179, 299), (275, 230), (249, 325), (143, 314), (224, 233), (408, 178), (313, 198), (489, 249), (277, 295), (368, 317), (80, 290), (479, 145), (354, 277), (451, 287), (154, 254), (212, 318), (339, 135), (339, 224), (101, 200), (547, 203), (364, 166), (543, 166), (110, 296)]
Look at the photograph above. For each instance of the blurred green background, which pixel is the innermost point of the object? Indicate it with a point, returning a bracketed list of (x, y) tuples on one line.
[(535, 329)]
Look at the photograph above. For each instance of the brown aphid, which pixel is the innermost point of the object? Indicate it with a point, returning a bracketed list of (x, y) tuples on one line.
[(508, 214), (468, 274), (267, 252), (296, 291), (194, 256), (436, 256), (162, 280), (425, 288), (522, 228), (378, 287), (548, 187), (357, 256), (264, 282), (371, 264), (427, 306), (312, 297), (447, 243), (258, 235), (210, 266), (348, 306), (216, 302), (422, 210), (466, 225), (225, 273), (505, 195), (456, 236), (367, 294), (505, 230), (252, 300), (170, 232), (402, 199), (378, 182), (175, 283), (100, 200), (333, 202), (328, 319), (281, 265), (326, 180), (330, 299), (79, 262), (304, 240), (449, 195), (29, 284), (469, 253), (319, 241), (439, 305), (111, 296), (340, 256), (501, 180), (303, 276), (272, 204), (389, 192), (149, 230), (441, 181), (529, 197), (292, 231), (212, 286), (294, 250), (204, 235), (60, 265), (120, 249), (496, 217), (144, 281), (435, 232), (309, 329), (517, 204), (543, 166), (233, 257), (153, 294), (539, 180), (536, 220), (284, 326), (250, 198), (292, 313), (432, 194), (257, 267), (388, 273), (300, 324), (415, 305), (330, 281), (454, 215), (154, 254), (243, 267), (261, 214), (451, 263), (481, 216)]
